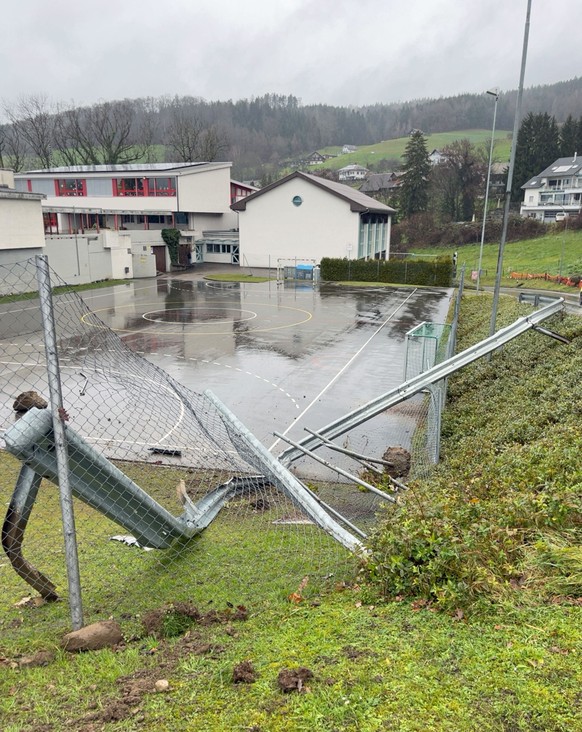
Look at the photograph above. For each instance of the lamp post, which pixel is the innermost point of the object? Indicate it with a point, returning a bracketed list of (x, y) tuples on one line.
[(494, 93), (509, 182)]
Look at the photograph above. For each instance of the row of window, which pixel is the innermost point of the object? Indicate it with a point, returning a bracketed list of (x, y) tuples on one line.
[(218, 248), (146, 187)]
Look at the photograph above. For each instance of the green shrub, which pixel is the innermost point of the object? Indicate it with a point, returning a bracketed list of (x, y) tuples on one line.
[(510, 475), (171, 239), (437, 272)]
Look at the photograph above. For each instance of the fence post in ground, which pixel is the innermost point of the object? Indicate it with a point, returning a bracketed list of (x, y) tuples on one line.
[(452, 344), (61, 451)]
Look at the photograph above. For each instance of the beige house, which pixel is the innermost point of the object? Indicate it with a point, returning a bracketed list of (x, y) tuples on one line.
[(303, 217)]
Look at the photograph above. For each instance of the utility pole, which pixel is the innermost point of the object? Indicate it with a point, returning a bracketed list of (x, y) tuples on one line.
[(510, 175)]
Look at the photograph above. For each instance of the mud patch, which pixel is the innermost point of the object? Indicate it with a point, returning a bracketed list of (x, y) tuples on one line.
[(400, 462), (244, 673), (293, 679)]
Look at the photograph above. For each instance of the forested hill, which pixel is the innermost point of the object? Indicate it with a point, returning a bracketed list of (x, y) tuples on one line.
[(251, 132)]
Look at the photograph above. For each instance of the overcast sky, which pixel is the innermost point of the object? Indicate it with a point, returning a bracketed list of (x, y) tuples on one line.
[(344, 52)]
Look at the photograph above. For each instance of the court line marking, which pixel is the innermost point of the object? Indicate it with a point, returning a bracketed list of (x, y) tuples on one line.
[(162, 332), (341, 371), (252, 315)]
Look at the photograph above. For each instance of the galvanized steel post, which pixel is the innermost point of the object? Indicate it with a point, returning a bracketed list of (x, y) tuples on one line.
[(61, 451)]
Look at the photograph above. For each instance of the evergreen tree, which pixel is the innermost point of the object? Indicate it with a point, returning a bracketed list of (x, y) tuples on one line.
[(569, 137), (579, 138), (415, 175), (538, 145)]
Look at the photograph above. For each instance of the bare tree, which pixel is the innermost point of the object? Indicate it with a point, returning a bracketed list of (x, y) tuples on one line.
[(212, 144), (34, 117), (189, 138), (12, 148), (110, 130)]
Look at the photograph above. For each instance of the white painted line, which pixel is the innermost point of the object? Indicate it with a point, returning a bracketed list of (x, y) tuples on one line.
[(341, 371)]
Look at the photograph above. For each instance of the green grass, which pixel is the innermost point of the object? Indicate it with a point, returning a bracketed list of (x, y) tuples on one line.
[(509, 665), (64, 288), (230, 277), (551, 253), (368, 154)]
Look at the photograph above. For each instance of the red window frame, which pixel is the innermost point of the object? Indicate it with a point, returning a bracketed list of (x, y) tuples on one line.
[(156, 190), (78, 187), (50, 221), (121, 187)]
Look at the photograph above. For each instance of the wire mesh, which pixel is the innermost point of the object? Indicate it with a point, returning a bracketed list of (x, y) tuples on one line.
[(143, 449)]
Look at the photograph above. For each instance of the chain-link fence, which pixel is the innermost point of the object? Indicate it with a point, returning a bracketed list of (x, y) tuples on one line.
[(164, 494), (150, 464)]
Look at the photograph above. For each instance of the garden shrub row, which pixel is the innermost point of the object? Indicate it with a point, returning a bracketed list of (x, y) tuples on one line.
[(434, 272)]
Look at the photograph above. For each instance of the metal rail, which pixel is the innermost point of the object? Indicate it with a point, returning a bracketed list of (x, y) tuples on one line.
[(418, 383)]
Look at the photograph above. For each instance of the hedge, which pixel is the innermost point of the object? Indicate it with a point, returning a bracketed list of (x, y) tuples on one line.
[(436, 272)]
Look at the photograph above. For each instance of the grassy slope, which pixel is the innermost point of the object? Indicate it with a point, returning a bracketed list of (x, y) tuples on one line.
[(377, 665), (395, 148), (530, 256), (504, 507)]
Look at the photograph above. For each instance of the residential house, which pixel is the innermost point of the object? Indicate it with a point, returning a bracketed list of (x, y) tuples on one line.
[(554, 193), (436, 157), (346, 149), (352, 173), (381, 184), (303, 217)]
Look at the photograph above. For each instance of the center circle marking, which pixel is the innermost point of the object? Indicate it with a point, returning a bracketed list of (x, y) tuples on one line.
[(194, 320)]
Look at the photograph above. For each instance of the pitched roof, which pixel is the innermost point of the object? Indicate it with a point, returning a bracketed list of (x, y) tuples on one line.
[(358, 201), (380, 182), (352, 166), (560, 167)]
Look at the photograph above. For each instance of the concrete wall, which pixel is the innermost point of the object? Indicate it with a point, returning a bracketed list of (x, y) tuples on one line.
[(273, 227), (21, 225), (90, 257), (143, 260)]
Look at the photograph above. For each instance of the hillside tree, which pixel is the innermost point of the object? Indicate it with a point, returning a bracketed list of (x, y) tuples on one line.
[(538, 145), (458, 181), (414, 191)]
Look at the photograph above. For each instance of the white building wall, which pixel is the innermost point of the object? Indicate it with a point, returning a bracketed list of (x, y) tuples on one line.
[(210, 222), (21, 225), (143, 260), (207, 191), (90, 257), (272, 227)]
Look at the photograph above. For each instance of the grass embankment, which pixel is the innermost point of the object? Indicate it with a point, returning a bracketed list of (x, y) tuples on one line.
[(511, 474), (503, 511), (555, 253)]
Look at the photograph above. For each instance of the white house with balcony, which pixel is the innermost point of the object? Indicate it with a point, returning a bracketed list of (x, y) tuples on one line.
[(352, 172), (303, 218), (133, 203), (555, 193)]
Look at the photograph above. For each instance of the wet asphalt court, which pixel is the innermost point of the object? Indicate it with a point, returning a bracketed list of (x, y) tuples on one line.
[(281, 357)]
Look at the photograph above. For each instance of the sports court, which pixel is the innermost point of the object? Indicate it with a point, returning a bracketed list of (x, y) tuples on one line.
[(281, 357)]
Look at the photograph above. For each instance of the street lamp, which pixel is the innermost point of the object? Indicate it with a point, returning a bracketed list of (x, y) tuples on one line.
[(494, 93)]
